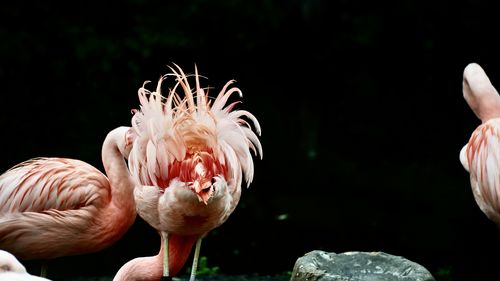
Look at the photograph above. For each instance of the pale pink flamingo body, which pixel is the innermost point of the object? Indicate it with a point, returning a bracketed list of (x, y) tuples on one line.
[(481, 155), (190, 156), (54, 207)]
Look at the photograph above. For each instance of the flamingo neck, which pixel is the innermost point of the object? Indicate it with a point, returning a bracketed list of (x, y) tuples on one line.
[(180, 248), (151, 268), (487, 107), (122, 204), (113, 159), (141, 269)]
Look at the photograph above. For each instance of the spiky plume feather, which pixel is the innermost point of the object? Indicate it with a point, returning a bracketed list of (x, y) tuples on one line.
[(169, 128)]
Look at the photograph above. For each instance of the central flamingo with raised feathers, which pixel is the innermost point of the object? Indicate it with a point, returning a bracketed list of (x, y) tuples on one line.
[(190, 156)]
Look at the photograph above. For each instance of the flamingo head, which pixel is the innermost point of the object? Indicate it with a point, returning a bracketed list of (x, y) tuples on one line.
[(9, 263), (479, 93), (189, 138), (199, 170), (201, 174)]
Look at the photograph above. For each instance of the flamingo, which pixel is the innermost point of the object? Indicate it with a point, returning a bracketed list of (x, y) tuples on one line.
[(12, 270), (55, 207), (481, 155), (189, 158)]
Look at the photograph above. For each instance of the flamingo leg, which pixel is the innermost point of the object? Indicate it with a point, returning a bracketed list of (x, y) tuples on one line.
[(43, 269), (195, 260), (166, 273)]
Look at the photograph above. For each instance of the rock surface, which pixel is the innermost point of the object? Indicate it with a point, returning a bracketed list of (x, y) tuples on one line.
[(357, 266)]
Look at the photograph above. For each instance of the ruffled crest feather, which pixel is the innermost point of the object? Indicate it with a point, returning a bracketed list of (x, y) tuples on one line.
[(169, 128)]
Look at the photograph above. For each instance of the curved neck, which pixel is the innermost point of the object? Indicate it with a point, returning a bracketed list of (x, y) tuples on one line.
[(151, 268), (179, 248), (113, 158), (141, 269)]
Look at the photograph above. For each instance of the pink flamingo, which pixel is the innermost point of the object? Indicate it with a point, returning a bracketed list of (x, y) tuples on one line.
[(12, 270), (481, 155), (189, 156), (54, 207)]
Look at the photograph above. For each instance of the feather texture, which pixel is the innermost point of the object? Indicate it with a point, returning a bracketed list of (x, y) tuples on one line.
[(483, 162), (170, 128), (42, 184)]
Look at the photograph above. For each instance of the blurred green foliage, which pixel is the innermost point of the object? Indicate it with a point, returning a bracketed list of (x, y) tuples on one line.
[(203, 268)]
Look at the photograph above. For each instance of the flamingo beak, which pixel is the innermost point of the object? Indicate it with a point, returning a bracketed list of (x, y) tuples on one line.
[(203, 190)]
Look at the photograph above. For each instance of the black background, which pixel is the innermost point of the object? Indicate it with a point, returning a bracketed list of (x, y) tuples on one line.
[(360, 105)]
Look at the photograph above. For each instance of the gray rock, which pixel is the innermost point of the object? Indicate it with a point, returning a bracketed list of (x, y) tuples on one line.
[(357, 266)]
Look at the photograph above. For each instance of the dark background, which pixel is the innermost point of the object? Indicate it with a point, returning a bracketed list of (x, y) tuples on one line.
[(360, 105)]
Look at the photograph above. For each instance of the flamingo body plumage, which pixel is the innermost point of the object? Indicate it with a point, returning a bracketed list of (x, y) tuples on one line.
[(481, 155), (54, 207), (190, 157)]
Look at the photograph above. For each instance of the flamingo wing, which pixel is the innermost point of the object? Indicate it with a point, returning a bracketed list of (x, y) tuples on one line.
[(483, 162), (48, 208), (43, 184)]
